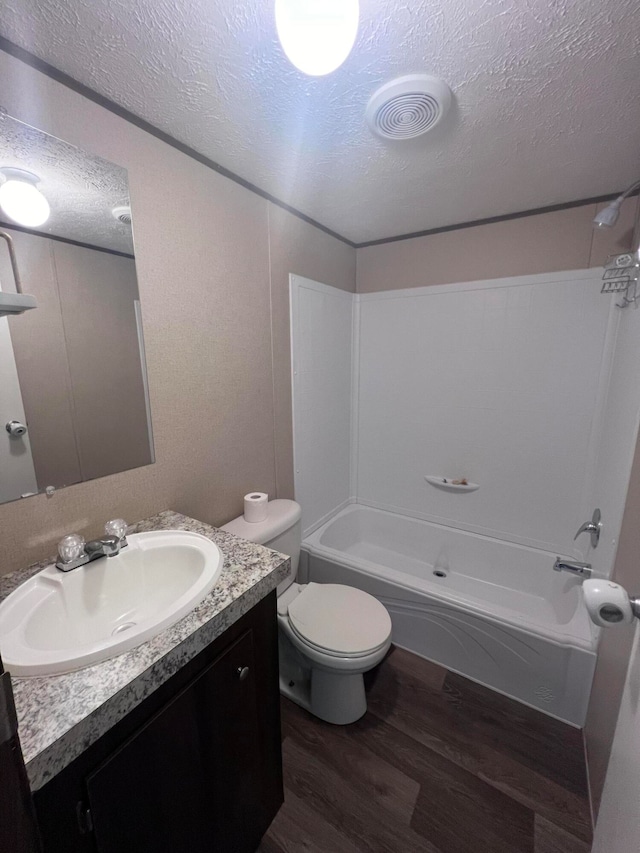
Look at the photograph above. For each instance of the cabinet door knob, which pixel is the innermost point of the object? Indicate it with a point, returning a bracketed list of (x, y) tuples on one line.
[(243, 672)]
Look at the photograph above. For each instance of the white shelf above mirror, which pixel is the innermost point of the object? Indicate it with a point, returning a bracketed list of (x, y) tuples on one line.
[(16, 303)]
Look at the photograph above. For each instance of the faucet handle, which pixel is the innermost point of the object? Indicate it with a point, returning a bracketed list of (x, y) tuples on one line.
[(587, 527), (116, 527), (592, 527), (71, 548)]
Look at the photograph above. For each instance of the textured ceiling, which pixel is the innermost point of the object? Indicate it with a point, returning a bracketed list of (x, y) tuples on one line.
[(547, 99), (81, 189)]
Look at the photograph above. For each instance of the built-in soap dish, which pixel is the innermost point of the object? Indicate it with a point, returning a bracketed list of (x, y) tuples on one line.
[(449, 484)]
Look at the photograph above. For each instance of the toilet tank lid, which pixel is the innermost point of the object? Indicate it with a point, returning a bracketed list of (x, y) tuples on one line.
[(281, 515)]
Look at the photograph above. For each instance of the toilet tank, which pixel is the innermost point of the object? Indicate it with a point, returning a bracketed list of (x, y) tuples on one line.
[(288, 543), (281, 530)]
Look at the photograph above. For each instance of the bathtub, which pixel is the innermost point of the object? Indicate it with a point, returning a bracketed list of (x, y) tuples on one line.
[(492, 611)]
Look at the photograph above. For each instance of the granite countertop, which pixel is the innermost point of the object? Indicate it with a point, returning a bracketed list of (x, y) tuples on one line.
[(59, 716)]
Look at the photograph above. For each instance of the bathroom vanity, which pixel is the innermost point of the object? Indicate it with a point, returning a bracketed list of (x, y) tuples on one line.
[(174, 745)]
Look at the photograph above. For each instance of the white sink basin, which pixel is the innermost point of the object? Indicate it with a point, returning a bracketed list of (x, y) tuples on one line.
[(57, 622)]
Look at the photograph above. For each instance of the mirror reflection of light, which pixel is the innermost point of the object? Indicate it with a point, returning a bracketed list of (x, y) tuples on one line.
[(23, 202), (317, 35)]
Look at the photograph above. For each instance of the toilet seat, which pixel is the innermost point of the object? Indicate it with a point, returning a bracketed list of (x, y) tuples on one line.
[(340, 621), (308, 646)]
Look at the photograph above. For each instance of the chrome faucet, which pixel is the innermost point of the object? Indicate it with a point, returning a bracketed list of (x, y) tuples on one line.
[(582, 570), (74, 552), (592, 527)]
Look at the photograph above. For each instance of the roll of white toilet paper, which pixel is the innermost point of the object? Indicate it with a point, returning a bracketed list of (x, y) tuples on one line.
[(607, 602), (255, 507)]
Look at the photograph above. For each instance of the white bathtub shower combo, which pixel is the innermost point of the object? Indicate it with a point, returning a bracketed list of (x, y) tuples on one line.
[(523, 387)]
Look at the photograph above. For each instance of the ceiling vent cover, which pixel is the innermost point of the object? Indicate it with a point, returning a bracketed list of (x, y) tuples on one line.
[(408, 106), (122, 213)]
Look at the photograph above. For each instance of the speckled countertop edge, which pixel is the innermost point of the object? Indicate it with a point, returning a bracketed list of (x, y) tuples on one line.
[(60, 716)]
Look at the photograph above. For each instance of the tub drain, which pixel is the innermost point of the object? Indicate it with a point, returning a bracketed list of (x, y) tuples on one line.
[(120, 629), (439, 573)]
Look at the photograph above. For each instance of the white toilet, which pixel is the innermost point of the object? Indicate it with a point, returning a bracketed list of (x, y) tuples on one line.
[(329, 634)]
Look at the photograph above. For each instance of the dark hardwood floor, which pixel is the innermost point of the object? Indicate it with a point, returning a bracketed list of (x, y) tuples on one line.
[(438, 764)]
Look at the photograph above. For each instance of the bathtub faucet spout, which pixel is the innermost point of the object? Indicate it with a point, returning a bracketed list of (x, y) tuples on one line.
[(583, 570)]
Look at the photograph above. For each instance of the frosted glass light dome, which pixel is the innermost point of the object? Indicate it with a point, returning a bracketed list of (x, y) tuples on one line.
[(317, 35), (21, 200)]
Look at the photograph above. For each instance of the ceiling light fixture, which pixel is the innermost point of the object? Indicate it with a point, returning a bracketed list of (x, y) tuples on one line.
[(21, 199), (317, 35)]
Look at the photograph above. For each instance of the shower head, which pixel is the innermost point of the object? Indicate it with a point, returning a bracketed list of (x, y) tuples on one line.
[(608, 216)]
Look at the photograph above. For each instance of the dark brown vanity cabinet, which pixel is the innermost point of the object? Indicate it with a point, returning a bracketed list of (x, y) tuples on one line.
[(197, 771), (18, 830)]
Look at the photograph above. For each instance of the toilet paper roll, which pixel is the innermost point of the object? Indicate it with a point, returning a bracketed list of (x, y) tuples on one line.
[(607, 603), (255, 507)]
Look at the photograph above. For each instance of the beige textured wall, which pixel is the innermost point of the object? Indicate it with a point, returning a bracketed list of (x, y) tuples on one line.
[(547, 242), (204, 274), (615, 647)]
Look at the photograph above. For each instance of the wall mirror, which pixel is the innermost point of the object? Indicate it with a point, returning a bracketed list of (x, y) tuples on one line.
[(74, 403)]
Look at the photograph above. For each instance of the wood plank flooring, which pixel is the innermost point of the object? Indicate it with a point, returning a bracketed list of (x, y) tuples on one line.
[(438, 764)]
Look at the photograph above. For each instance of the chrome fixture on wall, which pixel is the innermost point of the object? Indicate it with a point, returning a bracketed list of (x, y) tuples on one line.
[(622, 272), (592, 527), (608, 216), (582, 570)]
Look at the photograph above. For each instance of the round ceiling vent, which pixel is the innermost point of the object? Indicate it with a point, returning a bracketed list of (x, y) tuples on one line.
[(408, 106), (122, 213)]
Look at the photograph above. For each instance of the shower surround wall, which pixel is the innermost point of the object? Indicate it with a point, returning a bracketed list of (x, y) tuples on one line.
[(322, 336), (504, 382), (499, 382)]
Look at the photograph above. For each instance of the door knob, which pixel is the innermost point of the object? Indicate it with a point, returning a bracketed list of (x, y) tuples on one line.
[(15, 428), (243, 672)]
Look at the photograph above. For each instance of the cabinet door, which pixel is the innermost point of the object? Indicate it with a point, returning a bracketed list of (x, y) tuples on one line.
[(18, 832), (191, 780)]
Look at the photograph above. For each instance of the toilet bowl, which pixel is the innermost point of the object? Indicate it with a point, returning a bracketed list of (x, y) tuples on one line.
[(329, 634)]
